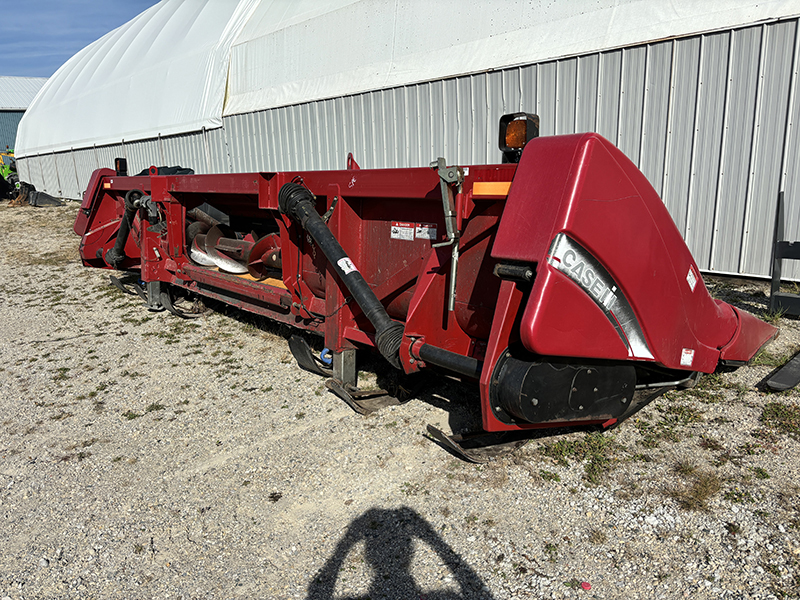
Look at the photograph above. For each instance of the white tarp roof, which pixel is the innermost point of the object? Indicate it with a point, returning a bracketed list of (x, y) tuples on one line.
[(17, 93), (164, 72), (303, 50), (183, 64)]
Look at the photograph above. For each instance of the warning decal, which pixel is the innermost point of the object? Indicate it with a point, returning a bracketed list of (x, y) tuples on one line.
[(411, 231), (402, 231), (426, 231), (687, 357), (691, 278)]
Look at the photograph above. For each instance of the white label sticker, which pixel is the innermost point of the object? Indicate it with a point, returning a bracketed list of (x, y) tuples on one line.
[(346, 265), (687, 357), (691, 278), (402, 231), (426, 231)]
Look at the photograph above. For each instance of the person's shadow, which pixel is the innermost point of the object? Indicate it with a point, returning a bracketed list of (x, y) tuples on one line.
[(388, 548)]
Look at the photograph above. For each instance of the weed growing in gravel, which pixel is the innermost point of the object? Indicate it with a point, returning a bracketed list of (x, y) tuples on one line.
[(685, 467), (673, 416), (597, 537), (62, 374), (733, 528), (710, 443), (551, 550), (765, 358), (784, 418), (154, 406), (773, 317), (130, 415), (760, 473), (739, 496), (698, 492), (549, 475), (597, 449)]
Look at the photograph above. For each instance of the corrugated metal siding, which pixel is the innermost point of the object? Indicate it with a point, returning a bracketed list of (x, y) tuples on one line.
[(790, 176), (9, 122), (712, 121)]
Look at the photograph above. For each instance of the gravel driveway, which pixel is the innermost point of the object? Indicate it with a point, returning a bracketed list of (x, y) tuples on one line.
[(143, 456)]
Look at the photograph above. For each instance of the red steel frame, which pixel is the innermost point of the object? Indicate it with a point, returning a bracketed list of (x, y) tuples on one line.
[(579, 186)]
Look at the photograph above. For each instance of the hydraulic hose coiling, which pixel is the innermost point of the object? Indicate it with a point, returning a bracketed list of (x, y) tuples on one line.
[(298, 203), (116, 255)]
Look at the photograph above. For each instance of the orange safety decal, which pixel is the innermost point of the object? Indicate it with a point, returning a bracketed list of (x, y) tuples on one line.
[(491, 188)]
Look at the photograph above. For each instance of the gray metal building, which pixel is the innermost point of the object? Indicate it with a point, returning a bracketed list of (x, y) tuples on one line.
[(16, 94), (711, 119)]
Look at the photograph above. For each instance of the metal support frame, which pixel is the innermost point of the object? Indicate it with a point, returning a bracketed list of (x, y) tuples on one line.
[(344, 367), (781, 249)]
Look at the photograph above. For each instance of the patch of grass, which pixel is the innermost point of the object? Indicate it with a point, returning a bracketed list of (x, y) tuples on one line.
[(597, 449), (765, 358), (62, 374), (739, 496), (695, 496), (673, 416), (154, 406), (597, 537), (782, 417), (760, 473), (733, 528), (710, 443), (414, 489), (685, 467), (549, 475), (130, 415), (773, 317), (551, 550)]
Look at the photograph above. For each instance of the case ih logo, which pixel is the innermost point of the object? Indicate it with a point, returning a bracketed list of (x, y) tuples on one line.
[(569, 257), (581, 273)]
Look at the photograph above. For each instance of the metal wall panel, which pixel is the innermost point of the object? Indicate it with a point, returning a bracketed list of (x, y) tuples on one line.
[(655, 115), (775, 71), (679, 145), (708, 120), (546, 97), (586, 94), (9, 122), (790, 176), (740, 103), (70, 185), (142, 155), (566, 95), (36, 173), (50, 171), (712, 121), (23, 168), (631, 102), (85, 164)]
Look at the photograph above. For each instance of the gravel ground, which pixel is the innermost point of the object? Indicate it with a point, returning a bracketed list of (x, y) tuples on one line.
[(142, 456)]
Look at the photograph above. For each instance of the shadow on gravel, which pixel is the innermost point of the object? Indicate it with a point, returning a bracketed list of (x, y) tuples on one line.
[(388, 537)]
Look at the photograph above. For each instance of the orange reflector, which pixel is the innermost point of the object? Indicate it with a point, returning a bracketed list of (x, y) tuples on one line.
[(491, 188), (517, 133), (106, 186)]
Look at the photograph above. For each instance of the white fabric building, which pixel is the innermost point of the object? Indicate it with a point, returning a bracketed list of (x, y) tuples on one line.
[(698, 94)]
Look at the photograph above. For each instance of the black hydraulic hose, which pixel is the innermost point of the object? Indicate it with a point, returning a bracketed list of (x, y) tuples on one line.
[(458, 363), (116, 255), (297, 202)]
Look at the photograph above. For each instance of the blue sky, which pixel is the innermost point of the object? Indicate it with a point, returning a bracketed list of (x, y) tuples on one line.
[(38, 36)]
